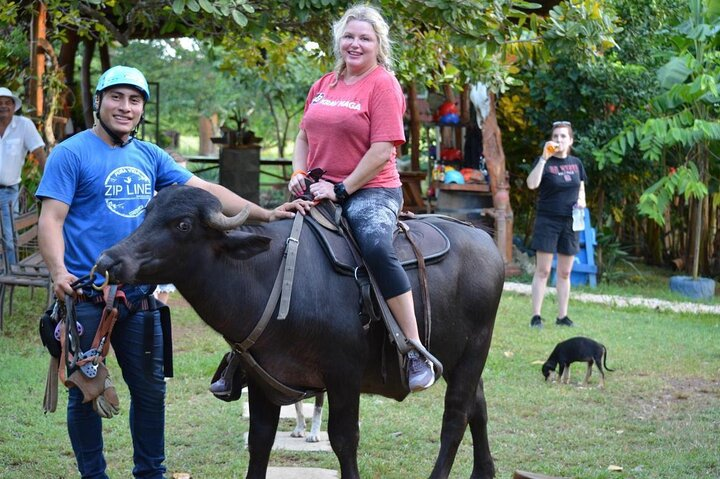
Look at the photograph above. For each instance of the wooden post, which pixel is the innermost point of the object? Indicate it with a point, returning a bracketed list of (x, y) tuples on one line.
[(414, 127), (240, 171), (495, 160), (207, 128), (37, 59)]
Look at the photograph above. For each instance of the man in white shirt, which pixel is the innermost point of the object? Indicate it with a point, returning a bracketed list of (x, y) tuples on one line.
[(18, 136)]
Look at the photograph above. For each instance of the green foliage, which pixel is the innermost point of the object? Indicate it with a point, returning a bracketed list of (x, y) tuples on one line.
[(235, 9), (601, 95), (588, 24), (683, 181), (13, 52), (276, 69), (190, 82), (684, 117)]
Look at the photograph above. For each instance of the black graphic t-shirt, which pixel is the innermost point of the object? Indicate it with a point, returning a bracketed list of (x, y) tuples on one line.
[(560, 186)]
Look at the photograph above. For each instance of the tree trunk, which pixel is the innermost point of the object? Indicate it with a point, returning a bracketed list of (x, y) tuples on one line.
[(86, 88), (414, 127), (67, 57), (697, 230), (700, 226), (495, 161), (105, 63), (207, 128)]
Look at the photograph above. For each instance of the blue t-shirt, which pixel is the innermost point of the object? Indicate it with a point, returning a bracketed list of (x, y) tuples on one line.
[(107, 189)]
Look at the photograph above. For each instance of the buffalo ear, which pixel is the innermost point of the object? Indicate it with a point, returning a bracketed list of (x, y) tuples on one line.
[(245, 246)]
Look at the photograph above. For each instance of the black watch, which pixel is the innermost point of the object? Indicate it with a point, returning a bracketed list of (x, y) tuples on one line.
[(340, 192)]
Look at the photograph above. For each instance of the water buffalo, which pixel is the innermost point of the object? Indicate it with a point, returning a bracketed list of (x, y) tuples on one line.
[(226, 273)]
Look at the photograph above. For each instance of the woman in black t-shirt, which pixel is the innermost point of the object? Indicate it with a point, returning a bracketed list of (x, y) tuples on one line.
[(560, 178)]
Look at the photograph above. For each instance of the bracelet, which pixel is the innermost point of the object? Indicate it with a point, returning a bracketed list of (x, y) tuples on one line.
[(298, 172)]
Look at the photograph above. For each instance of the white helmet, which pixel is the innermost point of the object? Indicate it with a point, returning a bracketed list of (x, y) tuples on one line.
[(6, 92)]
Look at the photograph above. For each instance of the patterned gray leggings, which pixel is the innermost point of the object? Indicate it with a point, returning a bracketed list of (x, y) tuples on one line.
[(372, 215)]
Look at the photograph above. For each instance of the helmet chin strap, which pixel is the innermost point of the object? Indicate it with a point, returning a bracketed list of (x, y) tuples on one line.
[(114, 136)]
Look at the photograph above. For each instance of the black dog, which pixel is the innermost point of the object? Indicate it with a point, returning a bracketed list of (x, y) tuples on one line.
[(574, 350)]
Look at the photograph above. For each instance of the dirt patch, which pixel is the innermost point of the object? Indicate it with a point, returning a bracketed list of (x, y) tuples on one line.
[(691, 394)]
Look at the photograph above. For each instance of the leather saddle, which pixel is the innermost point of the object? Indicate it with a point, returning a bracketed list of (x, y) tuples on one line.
[(429, 240)]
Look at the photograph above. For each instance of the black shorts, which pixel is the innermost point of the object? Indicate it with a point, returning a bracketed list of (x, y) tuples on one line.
[(554, 234)]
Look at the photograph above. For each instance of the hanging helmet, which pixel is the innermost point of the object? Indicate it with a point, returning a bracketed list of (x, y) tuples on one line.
[(122, 75), (454, 176), (450, 119), (447, 108)]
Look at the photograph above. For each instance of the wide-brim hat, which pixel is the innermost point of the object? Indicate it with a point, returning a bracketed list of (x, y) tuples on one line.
[(6, 92)]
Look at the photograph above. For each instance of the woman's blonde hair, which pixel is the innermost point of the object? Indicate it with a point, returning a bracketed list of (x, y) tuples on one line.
[(364, 13)]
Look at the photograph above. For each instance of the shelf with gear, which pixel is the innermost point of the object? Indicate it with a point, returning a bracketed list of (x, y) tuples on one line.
[(465, 173), (459, 185), (466, 168)]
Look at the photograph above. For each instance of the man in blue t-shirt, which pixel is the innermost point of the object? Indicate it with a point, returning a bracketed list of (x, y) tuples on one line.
[(94, 192)]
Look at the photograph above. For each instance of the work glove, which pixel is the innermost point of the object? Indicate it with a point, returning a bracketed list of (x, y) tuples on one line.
[(107, 404)]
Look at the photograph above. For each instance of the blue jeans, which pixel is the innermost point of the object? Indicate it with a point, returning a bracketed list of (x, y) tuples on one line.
[(8, 201), (147, 397)]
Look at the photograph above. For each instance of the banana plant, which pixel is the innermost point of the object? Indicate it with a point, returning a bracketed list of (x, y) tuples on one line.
[(684, 125)]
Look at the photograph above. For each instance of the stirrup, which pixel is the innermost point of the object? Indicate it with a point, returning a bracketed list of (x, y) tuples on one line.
[(437, 365)]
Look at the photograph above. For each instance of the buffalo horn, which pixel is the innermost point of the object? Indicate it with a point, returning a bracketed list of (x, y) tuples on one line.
[(221, 222)]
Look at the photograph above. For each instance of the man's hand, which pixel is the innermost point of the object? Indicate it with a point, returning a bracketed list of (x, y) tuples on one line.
[(288, 210), (62, 282)]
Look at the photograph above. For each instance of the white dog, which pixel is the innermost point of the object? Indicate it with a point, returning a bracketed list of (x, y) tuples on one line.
[(299, 431)]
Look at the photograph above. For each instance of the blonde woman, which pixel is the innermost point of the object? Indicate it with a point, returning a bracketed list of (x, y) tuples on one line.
[(352, 124)]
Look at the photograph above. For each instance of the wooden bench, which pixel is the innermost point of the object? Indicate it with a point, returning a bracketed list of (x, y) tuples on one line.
[(30, 270), (412, 191)]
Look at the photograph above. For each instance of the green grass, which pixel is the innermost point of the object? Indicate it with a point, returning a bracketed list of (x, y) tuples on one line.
[(659, 416)]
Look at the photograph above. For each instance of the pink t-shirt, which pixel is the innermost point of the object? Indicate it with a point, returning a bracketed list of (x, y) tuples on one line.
[(341, 123)]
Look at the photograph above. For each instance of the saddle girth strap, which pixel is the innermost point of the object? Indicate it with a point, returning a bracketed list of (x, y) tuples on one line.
[(422, 278), (289, 273), (242, 348)]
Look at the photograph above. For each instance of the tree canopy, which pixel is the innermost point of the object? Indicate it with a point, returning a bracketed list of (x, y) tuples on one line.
[(594, 62)]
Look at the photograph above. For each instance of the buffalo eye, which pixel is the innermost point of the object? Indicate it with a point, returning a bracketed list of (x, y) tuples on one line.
[(184, 226)]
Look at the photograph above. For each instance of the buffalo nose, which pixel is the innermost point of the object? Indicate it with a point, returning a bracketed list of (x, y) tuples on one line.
[(103, 263)]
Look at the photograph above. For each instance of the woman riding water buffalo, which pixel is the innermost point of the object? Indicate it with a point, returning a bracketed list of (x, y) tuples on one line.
[(352, 124)]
